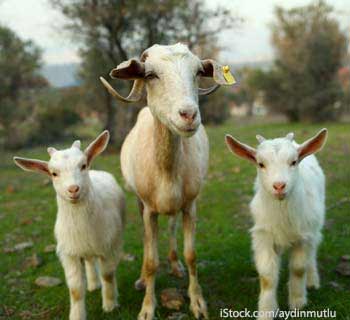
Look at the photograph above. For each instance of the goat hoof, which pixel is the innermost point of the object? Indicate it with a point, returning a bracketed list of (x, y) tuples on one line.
[(199, 308), (297, 303), (140, 285), (109, 306)]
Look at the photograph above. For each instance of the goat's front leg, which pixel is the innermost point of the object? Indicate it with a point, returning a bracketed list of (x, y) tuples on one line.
[(93, 281), (198, 304), (299, 263), (150, 263), (108, 266), (176, 267), (267, 263), (73, 270)]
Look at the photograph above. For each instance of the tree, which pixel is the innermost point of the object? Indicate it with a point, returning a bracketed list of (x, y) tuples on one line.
[(310, 48), (112, 31), (19, 69)]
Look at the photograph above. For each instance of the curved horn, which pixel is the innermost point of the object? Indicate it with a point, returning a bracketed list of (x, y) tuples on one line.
[(206, 91), (135, 94)]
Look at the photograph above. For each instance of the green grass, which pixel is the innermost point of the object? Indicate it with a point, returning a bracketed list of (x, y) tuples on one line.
[(226, 270)]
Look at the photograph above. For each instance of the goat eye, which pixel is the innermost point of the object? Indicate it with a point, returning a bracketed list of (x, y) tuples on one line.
[(54, 174), (261, 165), (83, 167), (150, 76), (294, 163), (200, 72)]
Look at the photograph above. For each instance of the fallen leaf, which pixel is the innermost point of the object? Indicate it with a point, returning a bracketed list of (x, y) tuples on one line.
[(343, 268), (47, 281), (172, 299), (236, 169), (34, 261), (50, 248), (26, 221), (10, 188)]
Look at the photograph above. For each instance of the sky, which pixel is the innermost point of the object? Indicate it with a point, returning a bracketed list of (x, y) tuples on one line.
[(250, 42)]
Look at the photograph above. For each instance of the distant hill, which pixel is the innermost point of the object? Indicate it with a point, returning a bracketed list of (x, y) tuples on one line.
[(61, 75)]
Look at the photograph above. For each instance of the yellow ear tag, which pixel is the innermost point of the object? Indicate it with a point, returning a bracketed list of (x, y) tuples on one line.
[(228, 75)]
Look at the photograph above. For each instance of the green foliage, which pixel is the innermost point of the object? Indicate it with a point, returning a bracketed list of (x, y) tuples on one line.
[(310, 49), (112, 31), (56, 113), (225, 265), (19, 67)]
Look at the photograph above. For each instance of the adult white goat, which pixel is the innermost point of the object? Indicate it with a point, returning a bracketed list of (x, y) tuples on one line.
[(288, 209), (164, 158), (89, 223)]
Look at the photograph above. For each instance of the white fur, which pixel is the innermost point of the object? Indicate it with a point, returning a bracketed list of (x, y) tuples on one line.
[(291, 219), (294, 223), (89, 226), (164, 160)]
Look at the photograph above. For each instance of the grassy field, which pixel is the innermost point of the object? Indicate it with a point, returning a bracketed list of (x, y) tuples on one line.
[(226, 270)]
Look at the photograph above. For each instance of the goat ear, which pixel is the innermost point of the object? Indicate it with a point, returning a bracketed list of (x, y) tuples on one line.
[(32, 165), (260, 138), (131, 69), (51, 150), (76, 144), (97, 146), (290, 136), (313, 145), (220, 74), (240, 149)]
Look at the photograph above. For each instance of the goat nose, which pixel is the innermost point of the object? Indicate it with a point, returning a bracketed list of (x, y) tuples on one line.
[(73, 189), (188, 115), (279, 186)]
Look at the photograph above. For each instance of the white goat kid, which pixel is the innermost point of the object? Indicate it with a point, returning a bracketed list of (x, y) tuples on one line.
[(164, 158), (89, 223), (288, 211)]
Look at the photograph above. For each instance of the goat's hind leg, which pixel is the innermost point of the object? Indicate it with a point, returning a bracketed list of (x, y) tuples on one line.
[(176, 267), (140, 283), (108, 267), (93, 281)]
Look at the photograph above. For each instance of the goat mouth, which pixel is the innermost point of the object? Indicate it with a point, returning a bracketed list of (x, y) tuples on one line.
[(74, 198), (186, 130), (281, 196)]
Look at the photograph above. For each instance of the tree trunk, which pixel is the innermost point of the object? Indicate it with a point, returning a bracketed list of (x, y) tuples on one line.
[(110, 123)]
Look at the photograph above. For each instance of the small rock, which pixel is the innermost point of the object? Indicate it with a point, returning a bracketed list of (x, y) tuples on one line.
[(177, 316), (23, 245), (19, 247), (129, 257), (335, 285), (343, 268), (47, 282), (50, 248), (345, 257), (33, 261), (172, 299)]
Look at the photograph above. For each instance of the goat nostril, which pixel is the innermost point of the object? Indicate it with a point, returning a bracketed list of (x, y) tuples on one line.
[(188, 115), (279, 186), (73, 189)]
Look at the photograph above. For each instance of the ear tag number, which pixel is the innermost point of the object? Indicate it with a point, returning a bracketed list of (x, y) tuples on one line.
[(228, 75)]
